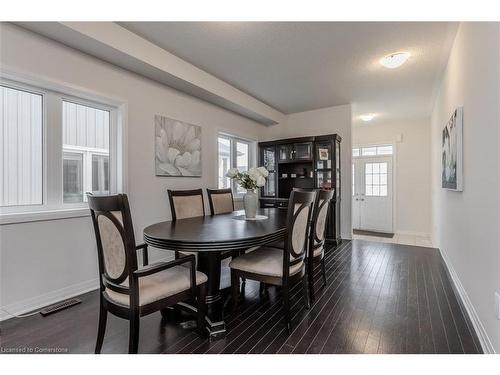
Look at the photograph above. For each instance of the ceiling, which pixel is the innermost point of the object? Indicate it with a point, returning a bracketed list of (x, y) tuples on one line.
[(300, 66)]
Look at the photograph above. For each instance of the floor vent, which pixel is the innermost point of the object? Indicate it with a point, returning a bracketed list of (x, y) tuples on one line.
[(60, 306)]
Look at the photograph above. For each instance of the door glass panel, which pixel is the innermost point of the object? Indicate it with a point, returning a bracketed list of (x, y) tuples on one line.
[(376, 179), (285, 152), (269, 162), (270, 186), (303, 151), (353, 181), (324, 180), (324, 156), (369, 151), (384, 150)]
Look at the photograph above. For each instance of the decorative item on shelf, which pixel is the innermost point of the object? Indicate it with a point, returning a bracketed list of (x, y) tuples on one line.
[(323, 154), (284, 175), (293, 175), (251, 180)]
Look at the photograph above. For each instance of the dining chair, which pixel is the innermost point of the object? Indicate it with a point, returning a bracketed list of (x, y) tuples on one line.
[(317, 237), (282, 267), (221, 201), (185, 204), (126, 290)]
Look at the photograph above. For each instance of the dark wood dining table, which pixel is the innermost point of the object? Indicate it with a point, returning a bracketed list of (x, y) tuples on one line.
[(209, 236)]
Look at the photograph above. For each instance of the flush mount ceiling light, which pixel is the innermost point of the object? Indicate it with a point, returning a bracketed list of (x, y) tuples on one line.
[(367, 117), (394, 60)]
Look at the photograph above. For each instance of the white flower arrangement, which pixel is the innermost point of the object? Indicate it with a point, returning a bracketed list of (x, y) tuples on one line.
[(251, 180)]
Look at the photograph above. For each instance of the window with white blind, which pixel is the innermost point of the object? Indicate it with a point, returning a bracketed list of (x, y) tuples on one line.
[(51, 168), (21, 152), (233, 152)]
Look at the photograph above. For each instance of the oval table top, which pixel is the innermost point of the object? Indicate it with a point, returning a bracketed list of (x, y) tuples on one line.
[(218, 232)]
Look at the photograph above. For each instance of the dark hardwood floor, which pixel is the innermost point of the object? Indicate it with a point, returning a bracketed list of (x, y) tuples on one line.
[(380, 298)]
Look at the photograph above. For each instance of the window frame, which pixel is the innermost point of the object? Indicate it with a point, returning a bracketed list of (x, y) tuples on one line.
[(252, 152), (360, 148), (37, 91), (53, 94)]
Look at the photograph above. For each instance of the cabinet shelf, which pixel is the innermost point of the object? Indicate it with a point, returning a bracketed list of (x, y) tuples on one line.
[(295, 161), (295, 178)]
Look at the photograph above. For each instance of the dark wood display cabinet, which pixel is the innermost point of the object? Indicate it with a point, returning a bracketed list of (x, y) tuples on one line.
[(307, 163)]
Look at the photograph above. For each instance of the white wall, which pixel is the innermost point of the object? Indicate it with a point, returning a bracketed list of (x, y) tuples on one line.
[(43, 262), (466, 224), (412, 179), (325, 121)]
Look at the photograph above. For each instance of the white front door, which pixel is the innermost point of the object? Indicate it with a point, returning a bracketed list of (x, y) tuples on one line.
[(372, 194)]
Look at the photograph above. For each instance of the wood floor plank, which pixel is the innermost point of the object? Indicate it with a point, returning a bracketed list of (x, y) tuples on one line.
[(380, 298)]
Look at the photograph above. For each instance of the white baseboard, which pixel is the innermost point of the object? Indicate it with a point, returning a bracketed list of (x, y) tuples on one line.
[(484, 340), (32, 304), (46, 299), (411, 233)]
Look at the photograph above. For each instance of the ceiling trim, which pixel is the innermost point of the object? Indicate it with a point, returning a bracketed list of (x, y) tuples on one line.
[(113, 43)]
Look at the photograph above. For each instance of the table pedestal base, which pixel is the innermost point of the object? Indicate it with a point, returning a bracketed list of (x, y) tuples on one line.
[(210, 264)]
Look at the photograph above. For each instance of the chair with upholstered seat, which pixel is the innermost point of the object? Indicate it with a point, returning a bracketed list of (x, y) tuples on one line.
[(282, 267), (130, 292), (317, 237), (221, 201), (185, 204)]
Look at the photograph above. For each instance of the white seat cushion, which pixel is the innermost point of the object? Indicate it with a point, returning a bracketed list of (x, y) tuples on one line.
[(263, 261), (159, 285)]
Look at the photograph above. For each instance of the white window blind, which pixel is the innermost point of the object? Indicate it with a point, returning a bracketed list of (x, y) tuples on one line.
[(21, 154)]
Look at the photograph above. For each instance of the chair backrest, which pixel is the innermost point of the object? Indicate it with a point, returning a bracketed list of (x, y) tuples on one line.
[(319, 219), (300, 207), (186, 203), (221, 201), (114, 234)]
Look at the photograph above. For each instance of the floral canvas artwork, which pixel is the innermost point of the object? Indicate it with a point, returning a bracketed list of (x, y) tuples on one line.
[(451, 144), (177, 148)]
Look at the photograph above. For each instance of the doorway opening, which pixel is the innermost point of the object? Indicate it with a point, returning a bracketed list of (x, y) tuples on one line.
[(372, 188)]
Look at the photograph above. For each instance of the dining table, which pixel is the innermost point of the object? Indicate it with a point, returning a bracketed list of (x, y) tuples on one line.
[(209, 237)]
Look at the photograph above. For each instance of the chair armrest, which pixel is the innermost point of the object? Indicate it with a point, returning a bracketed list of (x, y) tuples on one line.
[(158, 267), (145, 257), (142, 246)]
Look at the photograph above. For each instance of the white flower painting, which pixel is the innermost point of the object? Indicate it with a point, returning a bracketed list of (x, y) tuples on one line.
[(451, 174), (177, 148)]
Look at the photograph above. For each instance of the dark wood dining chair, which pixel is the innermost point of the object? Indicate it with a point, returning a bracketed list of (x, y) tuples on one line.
[(221, 201), (127, 291), (282, 267), (317, 237), (185, 204)]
